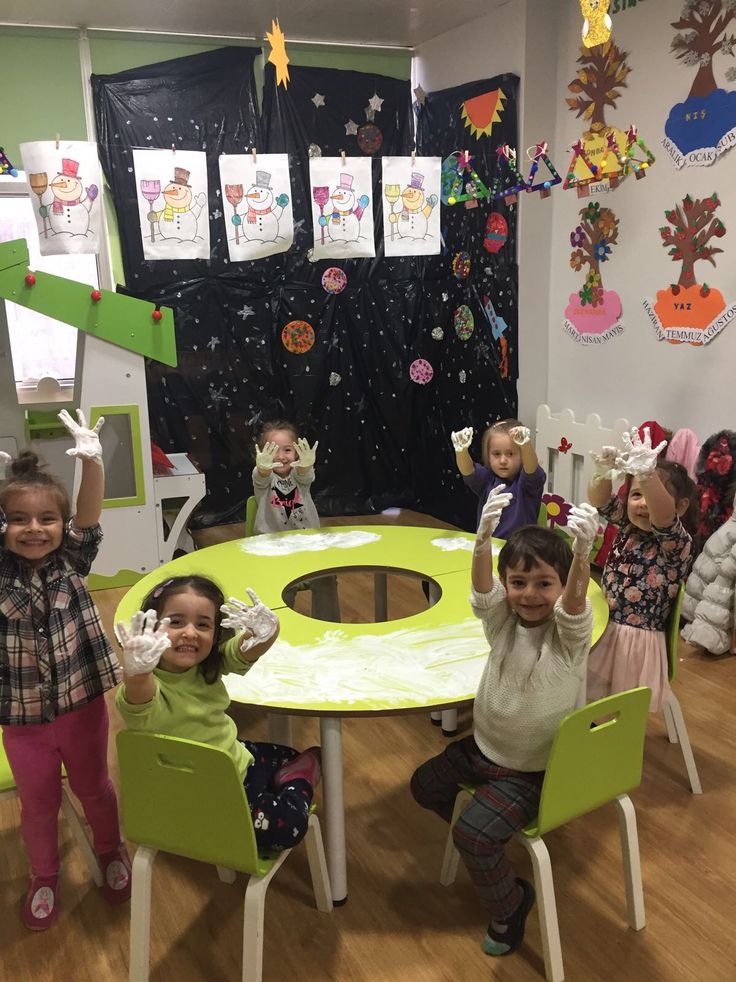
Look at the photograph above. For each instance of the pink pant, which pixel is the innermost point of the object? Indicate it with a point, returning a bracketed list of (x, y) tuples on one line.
[(35, 753)]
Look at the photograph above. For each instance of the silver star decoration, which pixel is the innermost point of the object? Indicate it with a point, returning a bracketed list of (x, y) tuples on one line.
[(360, 405), (351, 128), (216, 214), (246, 312), (314, 150), (462, 376), (370, 114), (375, 102), (299, 228), (437, 333), (217, 396), (212, 343), (420, 94), (318, 100), (335, 379)]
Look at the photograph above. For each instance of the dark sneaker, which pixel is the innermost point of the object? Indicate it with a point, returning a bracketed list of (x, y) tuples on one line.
[(504, 937)]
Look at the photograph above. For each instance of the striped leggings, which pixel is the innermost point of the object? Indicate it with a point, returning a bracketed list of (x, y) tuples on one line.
[(504, 802)]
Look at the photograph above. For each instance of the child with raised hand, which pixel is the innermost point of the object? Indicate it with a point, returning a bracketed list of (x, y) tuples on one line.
[(282, 476), (539, 624), (650, 556), (174, 660), (508, 458), (55, 666)]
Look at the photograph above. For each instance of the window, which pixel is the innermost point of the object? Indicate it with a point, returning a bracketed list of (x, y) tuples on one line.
[(43, 349)]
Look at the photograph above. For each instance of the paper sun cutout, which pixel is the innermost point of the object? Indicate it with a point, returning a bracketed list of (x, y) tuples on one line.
[(278, 57), (597, 24), (481, 112)]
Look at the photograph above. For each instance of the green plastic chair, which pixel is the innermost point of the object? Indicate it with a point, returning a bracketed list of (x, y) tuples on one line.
[(187, 798), (589, 765), (8, 790), (251, 507), (673, 718)]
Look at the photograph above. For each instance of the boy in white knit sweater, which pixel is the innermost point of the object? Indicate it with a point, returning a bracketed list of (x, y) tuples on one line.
[(539, 625)]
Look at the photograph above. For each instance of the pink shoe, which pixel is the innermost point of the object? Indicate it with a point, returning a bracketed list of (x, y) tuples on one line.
[(40, 910), (307, 766), (115, 868)]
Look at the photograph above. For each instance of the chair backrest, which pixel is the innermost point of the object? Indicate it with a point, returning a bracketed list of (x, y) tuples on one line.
[(672, 634), (7, 781), (186, 798), (590, 765), (251, 507)]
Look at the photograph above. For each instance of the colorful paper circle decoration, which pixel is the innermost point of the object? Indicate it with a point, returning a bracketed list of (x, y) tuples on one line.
[(334, 280), (420, 371), (297, 337), (496, 232), (461, 265), (370, 138), (464, 322)]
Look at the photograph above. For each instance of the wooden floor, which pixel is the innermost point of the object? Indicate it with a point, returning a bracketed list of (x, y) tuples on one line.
[(399, 924)]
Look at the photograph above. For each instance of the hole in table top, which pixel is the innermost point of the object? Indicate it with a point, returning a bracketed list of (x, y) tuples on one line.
[(362, 594)]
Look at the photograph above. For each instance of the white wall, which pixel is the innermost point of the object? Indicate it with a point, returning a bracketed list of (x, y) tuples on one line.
[(636, 375)]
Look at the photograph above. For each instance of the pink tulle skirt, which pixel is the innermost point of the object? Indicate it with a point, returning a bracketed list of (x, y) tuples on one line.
[(625, 658)]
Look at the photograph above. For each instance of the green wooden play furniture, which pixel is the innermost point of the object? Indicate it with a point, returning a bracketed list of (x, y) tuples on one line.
[(589, 765), (186, 798), (8, 790), (674, 720), (251, 508)]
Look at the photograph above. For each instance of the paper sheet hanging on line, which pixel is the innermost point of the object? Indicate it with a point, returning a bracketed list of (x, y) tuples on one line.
[(342, 212), (256, 201), (411, 214), (171, 190), (64, 191)]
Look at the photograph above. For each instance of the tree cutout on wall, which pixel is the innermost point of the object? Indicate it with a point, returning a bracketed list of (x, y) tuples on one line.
[(704, 23), (598, 86), (598, 83), (688, 311), (692, 226), (593, 312), (704, 125), (592, 241)]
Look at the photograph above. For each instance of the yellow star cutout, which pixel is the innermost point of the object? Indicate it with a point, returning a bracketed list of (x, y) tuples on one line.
[(278, 56)]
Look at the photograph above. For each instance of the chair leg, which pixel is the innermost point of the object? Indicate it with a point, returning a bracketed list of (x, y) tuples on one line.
[(140, 914), (436, 718), (452, 857), (253, 918), (318, 866), (80, 836), (226, 875), (687, 753), (669, 723), (548, 923), (632, 861)]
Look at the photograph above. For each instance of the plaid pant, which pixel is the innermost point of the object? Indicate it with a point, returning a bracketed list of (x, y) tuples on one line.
[(504, 802)]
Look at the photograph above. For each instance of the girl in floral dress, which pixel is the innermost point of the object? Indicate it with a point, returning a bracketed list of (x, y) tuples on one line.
[(650, 556)]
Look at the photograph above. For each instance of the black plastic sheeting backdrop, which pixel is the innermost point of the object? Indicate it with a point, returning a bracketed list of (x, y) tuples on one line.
[(384, 440)]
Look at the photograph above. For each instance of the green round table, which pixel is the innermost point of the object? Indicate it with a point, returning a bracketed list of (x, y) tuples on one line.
[(431, 660)]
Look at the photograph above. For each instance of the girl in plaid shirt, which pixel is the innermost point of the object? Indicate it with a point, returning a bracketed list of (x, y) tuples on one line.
[(55, 665)]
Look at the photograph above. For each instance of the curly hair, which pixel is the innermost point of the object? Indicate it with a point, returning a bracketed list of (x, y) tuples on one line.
[(715, 476)]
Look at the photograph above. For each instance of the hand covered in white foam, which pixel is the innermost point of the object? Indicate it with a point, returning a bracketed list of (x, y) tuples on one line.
[(461, 439), (583, 524), (639, 458), (143, 643), (306, 455), (86, 441), (605, 464), (498, 499), (257, 622), (266, 458), (520, 435)]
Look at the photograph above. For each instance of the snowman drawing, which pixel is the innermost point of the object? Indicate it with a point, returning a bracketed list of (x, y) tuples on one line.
[(261, 221), (180, 214), (343, 223), (70, 205), (412, 222)]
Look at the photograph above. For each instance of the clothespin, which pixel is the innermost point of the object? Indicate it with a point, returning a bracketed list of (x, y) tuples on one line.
[(173, 148), (342, 155), (413, 157), (58, 138), (255, 155)]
